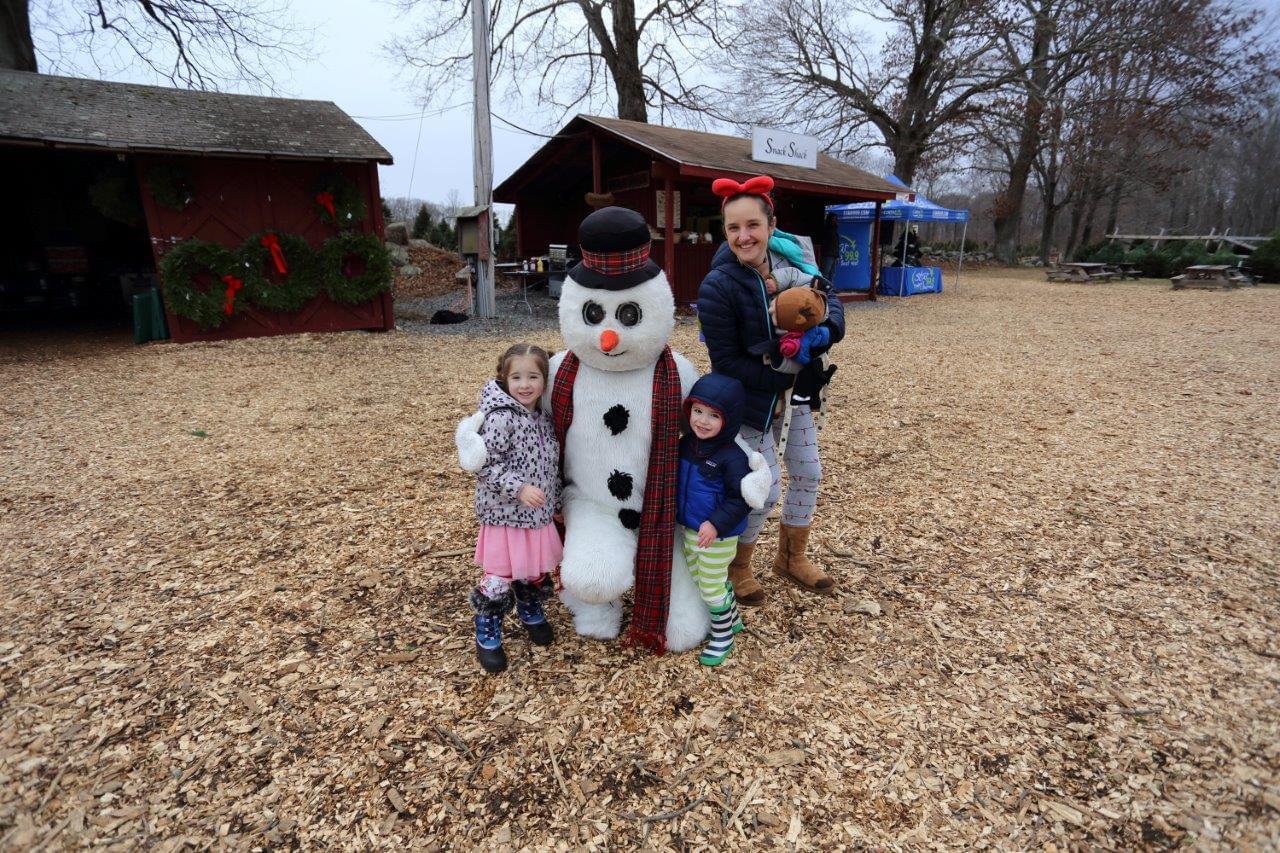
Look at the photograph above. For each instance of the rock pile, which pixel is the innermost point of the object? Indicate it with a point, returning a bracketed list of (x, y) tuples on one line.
[(954, 254)]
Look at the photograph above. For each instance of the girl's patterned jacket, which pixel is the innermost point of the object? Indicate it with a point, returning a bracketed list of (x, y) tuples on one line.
[(522, 449)]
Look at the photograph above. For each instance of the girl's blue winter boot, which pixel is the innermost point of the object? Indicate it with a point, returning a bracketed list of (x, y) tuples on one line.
[(489, 613), (529, 597)]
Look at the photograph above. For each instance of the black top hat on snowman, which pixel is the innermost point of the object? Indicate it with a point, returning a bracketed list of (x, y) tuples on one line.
[(615, 250)]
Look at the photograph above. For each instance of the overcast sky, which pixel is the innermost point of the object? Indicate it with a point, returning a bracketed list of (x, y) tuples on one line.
[(352, 70)]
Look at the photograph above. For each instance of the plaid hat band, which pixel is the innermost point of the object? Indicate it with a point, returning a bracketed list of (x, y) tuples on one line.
[(616, 263)]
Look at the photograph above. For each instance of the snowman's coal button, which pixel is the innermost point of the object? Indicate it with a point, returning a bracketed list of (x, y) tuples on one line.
[(630, 519), (616, 418), (620, 485)]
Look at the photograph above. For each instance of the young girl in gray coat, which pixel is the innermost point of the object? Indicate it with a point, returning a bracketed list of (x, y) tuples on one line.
[(517, 494)]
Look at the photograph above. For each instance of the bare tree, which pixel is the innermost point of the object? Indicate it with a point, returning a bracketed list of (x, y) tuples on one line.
[(404, 209), (16, 49), (452, 204), (573, 52), (199, 44), (920, 93), (1053, 47), (1191, 75)]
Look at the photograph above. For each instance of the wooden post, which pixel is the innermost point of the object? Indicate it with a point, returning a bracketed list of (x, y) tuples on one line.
[(875, 255), (669, 252), (486, 298), (596, 186)]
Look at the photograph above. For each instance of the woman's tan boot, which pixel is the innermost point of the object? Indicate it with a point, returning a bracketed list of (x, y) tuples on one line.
[(745, 587), (793, 564)]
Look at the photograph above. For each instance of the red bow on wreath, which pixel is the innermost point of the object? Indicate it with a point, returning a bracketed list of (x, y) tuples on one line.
[(272, 243), (325, 200), (760, 185), (233, 286)]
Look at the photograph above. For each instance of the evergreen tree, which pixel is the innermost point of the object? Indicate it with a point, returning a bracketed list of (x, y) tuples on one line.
[(386, 211), (507, 239), (422, 224), (446, 237)]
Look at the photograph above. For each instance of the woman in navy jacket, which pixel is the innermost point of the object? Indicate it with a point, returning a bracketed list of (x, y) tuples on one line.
[(734, 304)]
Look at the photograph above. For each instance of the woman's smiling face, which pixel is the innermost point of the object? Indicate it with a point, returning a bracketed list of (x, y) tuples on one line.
[(747, 228)]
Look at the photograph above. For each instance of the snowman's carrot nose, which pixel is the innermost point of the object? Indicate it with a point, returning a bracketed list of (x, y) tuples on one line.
[(608, 340)]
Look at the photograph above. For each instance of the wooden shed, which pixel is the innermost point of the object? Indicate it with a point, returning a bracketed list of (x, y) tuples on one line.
[(665, 174), (105, 178)]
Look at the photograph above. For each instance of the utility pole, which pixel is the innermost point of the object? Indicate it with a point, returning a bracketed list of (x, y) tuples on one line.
[(482, 162)]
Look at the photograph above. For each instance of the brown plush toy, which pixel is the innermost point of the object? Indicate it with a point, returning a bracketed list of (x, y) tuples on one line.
[(799, 311)]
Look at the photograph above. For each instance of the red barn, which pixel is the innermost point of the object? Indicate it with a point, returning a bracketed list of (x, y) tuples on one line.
[(103, 179)]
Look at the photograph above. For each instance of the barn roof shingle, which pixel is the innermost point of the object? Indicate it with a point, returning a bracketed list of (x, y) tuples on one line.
[(41, 108), (698, 153)]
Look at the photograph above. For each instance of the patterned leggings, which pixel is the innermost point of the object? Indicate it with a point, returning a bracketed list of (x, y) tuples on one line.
[(710, 565), (804, 471)]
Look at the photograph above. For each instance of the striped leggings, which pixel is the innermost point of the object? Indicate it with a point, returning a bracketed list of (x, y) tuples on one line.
[(804, 471), (710, 565)]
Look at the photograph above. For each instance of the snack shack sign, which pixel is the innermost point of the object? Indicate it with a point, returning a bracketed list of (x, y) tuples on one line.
[(786, 149)]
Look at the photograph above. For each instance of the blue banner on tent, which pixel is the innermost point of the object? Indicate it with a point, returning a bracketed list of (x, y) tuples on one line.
[(908, 281), (853, 265)]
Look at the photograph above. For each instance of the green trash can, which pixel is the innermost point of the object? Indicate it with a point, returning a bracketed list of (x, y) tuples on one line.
[(148, 317)]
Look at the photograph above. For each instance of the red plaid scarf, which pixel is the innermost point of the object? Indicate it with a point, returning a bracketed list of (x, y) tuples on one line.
[(657, 517)]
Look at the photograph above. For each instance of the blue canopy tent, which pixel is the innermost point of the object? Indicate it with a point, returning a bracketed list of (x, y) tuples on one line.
[(854, 221)]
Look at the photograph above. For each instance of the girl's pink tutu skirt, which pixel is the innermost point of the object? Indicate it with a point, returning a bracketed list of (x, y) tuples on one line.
[(518, 553)]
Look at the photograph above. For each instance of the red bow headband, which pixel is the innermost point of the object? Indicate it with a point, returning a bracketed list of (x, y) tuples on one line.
[(727, 188)]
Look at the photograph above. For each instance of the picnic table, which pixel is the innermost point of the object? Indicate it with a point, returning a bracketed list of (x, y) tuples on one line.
[(1210, 277), (1082, 271), (524, 277)]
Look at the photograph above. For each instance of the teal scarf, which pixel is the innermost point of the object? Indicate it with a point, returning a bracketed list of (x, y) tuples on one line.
[(789, 247)]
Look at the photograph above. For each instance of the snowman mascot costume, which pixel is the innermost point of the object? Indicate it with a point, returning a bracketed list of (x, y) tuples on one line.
[(615, 395)]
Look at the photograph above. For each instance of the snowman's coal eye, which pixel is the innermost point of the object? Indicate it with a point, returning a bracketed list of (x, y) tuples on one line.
[(628, 314), (593, 313)]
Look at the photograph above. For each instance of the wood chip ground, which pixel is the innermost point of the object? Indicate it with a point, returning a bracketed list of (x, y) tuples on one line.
[(234, 578)]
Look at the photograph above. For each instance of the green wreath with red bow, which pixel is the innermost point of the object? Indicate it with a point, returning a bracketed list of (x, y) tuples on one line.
[(281, 272), (201, 282), (339, 201)]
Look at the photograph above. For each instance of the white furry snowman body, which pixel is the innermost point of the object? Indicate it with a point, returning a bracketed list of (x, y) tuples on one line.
[(606, 454)]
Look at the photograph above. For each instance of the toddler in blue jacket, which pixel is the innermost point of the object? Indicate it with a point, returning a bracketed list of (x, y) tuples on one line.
[(709, 503)]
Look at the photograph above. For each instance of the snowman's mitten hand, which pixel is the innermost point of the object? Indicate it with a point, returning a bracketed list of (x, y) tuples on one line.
[(755, 486), (472, 454)]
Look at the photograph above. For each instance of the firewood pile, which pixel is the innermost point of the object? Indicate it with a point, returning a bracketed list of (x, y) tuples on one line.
[(235, 574)]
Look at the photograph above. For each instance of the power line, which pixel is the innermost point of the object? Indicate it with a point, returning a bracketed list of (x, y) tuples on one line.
[(534, 132), (413, 171), (410, 116)]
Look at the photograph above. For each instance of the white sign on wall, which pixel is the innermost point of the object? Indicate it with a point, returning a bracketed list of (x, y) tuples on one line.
[(785, 149), (661, 213)]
